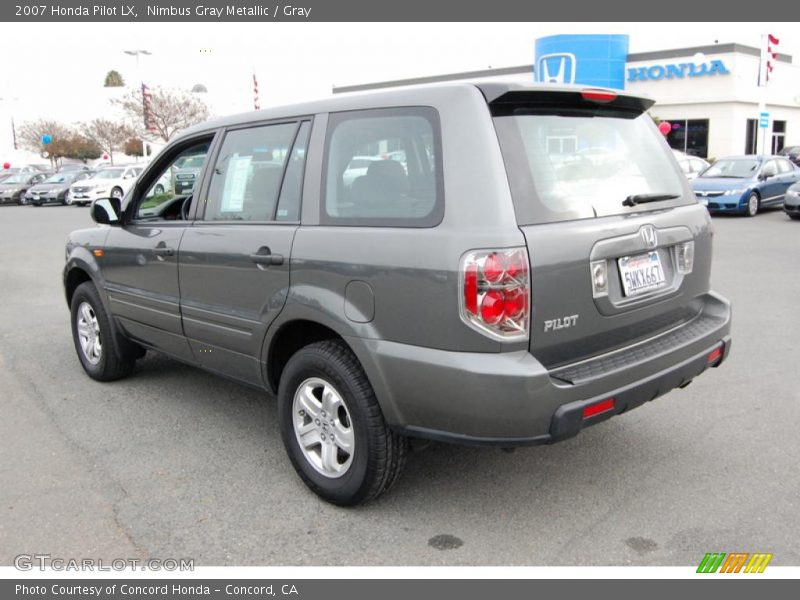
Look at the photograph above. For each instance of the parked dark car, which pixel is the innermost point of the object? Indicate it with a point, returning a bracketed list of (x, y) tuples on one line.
[(745, 184), (791, 205), (792, 153), (13, 189), (55, 188), (497, 289)]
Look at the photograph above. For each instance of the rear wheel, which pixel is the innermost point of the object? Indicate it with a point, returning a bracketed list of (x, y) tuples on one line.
[(104, 355), (333, 428), (753, 204)]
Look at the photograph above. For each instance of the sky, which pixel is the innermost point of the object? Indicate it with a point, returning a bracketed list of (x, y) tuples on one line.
[(293, 61)]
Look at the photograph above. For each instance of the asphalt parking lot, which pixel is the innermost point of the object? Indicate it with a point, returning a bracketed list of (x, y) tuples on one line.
[(175, 463)]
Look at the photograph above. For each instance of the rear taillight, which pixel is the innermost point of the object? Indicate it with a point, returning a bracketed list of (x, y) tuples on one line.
[(495, 288), (684, 257)]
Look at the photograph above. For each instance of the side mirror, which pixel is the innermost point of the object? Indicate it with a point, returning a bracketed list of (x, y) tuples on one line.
[(107, 211), (767, 173)]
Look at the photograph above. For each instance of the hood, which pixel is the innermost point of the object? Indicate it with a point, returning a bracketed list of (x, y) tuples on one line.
[(48, 187), (721, 183)]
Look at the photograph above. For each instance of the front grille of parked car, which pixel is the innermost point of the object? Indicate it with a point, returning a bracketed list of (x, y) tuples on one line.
[(713, 205), (80, 189)]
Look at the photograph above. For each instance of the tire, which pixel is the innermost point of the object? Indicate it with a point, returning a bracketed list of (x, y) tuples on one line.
[(117, 193), (795, 217), (112, 357), (329, 370), (753, 204)]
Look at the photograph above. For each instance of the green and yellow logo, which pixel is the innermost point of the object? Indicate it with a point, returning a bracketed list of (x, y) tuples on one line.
[(735, 562)]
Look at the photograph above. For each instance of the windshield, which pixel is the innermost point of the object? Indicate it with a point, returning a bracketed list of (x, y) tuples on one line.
[(740, 168), (60, 178), (579, 164), (19, 178), (109, 174)]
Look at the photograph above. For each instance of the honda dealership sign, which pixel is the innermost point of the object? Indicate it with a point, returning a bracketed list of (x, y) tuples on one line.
[(677, 71), (596, 60)]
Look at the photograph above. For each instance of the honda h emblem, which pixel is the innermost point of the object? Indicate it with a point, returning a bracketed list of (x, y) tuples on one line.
[(649, 236), (556, 68)]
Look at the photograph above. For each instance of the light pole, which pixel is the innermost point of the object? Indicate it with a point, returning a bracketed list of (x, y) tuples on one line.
[(137, 54), (10, 102)]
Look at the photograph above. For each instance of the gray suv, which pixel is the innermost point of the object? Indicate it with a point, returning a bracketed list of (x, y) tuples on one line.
[(516, 263)]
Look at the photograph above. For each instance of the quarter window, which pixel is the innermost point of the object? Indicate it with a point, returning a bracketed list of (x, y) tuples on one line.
[(383, 167), (248, 173)]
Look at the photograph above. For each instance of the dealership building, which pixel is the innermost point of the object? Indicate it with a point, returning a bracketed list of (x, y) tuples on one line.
[(710, 95)]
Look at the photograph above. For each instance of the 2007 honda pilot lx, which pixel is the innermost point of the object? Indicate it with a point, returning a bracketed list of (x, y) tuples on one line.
[(503, 264)]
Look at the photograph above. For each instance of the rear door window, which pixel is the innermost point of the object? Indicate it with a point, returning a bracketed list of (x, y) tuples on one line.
[(566, 164), (383, 167)]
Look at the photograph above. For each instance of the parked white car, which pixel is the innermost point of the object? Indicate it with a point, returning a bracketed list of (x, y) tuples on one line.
[(691, 166), (112, 182)]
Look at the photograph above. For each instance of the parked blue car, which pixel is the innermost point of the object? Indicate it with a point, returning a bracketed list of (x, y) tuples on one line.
[(744, 184)]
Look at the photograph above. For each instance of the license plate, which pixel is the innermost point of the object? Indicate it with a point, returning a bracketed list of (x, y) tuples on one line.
[(641, 273)]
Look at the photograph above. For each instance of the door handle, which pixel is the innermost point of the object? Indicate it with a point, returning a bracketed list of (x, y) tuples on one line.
[(264, 256), (163, 251)]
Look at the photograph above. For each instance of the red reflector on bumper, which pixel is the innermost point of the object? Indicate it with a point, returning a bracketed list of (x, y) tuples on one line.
[(714, 355), (597, 408)]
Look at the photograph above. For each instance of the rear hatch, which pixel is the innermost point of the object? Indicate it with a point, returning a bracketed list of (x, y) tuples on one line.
[(619, 249)]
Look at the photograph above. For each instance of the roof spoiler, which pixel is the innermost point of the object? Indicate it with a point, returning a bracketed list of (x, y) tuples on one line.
[(504, 95)]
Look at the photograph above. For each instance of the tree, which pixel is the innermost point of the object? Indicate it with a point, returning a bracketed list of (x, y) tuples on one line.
[(133, 147), (30, 136), (82, 148), (170, 111), (114, 79), (109, 136)]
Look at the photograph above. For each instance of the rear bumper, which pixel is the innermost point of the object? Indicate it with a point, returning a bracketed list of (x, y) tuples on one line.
[(510, 399)]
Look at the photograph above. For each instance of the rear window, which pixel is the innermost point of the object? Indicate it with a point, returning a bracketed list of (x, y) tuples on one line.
[(566, 164)]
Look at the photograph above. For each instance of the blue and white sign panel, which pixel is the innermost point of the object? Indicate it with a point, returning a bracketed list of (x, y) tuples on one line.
[(594, 60), (763, 120)]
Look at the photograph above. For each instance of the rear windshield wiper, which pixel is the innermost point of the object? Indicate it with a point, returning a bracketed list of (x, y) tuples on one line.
[(644, 198)]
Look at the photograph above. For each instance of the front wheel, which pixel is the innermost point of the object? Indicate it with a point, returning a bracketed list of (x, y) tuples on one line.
[(753, 204), (333, 428), (104, 355)]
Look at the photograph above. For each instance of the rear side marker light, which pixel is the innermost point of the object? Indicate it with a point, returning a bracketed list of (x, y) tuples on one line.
[(598, 408), (495, 292), (714, 356), (599, 95)]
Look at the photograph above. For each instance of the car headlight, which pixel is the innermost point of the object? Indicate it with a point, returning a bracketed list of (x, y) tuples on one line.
[(793, 193), (737, 192)]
